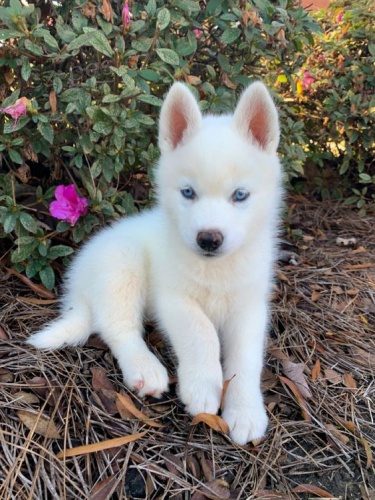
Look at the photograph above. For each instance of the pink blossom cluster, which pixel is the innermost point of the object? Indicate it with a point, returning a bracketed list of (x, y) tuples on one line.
[(68, 206)]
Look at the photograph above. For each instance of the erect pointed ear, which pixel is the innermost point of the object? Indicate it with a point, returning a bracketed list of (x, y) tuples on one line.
[(180, 117), (256, 118)]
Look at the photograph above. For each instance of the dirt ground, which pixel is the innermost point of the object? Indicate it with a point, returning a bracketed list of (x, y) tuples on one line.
[(318, 383)]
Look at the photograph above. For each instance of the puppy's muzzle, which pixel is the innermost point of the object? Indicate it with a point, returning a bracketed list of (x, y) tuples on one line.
[(209, 241)]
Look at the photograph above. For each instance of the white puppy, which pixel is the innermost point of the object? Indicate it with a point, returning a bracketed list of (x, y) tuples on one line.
[(200, 263)]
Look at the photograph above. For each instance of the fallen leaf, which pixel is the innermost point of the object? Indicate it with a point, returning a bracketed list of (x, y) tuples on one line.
[(39, 423), (310, 488), (214, 421), (207, 467), (315, 295), (39, 302), (173, 463), (367, 357), (269, 380), (3, 334), (40, 385), (270, 495), (302, 403), (97, 343), (89, 10), (349, 425), (6, 376), (100, 380), (104, 388), (218, 489), (283, 277), (315, 372), (332, 376), (224, 391), (359, 250), (225, 80), (23, 173), (368, 452), (192, 79), (103, 489), (38, 289), (349, 381), (193, 466), (53, 101), (338, 434), (277, 353), (355, 267), (25, 397), (352, 291), (198, 496), (294, 371), (130, 406), (102, 445), (106, 10)]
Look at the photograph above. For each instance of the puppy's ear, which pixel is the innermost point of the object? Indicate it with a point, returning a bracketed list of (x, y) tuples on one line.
[(256, 118), (180, 117)]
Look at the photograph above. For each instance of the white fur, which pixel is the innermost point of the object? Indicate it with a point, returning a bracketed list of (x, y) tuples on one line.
[(214, 309)]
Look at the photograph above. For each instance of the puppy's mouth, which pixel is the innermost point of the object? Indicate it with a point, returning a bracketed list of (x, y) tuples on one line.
[(210, 254)]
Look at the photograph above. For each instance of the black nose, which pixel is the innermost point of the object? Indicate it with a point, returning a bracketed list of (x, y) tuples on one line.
[(210, 240)]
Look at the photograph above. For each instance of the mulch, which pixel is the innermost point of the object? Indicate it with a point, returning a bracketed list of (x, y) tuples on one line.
[(318, 382)]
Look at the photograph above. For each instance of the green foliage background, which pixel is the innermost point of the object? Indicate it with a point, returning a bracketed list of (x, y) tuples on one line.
[(95, 90)]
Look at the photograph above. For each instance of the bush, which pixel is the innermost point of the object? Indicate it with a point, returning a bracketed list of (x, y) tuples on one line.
[(88, 89), (339, 107)]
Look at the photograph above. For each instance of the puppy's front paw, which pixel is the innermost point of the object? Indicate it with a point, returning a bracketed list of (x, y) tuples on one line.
[(200, 391), (145, 374), (246, 423)]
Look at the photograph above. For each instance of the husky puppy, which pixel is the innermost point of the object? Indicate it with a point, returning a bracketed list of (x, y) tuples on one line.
[(200, 263)]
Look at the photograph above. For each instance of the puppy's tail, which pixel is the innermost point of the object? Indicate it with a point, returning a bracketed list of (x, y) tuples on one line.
[(72, 328)]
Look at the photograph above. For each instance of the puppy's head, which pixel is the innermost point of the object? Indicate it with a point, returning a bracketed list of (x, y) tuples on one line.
[(218, 176)]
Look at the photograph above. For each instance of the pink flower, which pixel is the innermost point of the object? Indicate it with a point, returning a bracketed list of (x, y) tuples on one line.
[(198, 33), (339, 17), (307, 80), (125, 15), (68, 205), (15, 111)]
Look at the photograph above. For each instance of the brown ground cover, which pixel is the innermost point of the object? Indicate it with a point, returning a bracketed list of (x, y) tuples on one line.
[(318, 382)]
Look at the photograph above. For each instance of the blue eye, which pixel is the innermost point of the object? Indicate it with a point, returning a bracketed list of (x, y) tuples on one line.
[(188, 192), (240, 195)]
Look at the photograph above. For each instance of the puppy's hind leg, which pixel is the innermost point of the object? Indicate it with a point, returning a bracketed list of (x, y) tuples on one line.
[(73, 327)]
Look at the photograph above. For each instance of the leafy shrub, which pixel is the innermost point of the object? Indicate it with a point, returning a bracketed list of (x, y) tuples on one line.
[(339, 108), (88, 91)]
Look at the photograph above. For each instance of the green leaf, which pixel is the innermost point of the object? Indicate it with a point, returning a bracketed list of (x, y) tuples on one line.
[(47, 37), (163, 18), (100, 43), (5, 34), (46, 131), (25, 70), (151, 7), (150, 99), (168, 56), (10, 222), (15, 156), (59, 251), (33, 48), (111, 98), (142, 44), (21, 253), (94, 39), (47, 277), (149, 75), (28, 222), (230, 35)]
